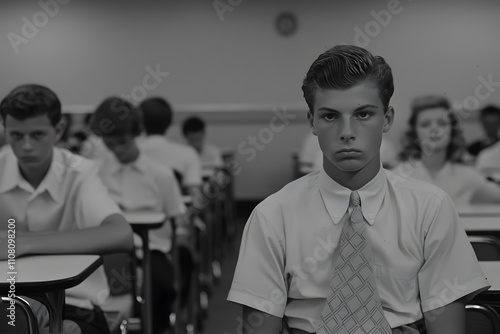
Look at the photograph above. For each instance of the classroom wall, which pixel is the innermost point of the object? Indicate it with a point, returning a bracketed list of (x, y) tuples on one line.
[(234, 67)]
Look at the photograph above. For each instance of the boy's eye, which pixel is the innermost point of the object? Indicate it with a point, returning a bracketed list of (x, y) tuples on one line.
[(363, 115), (329, 117), (16, 136), (37, 135)]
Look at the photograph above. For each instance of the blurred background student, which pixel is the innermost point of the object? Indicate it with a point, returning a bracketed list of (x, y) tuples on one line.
[(490, 122), (136, 183), (157, 117), (194, 131), (434, 152)]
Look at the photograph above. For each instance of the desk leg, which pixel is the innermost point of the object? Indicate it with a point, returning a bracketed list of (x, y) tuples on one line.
[(54, 302), (147, 316)]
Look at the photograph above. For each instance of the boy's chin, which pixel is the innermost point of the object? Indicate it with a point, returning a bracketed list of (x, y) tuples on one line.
[(349, 166)]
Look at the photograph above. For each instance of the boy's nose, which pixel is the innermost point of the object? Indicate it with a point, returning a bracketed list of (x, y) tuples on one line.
[(346, 133), (27, 146)]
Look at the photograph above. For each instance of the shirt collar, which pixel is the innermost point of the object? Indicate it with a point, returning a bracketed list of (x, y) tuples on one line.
[(51, 182), (336, 197), (112, 165)]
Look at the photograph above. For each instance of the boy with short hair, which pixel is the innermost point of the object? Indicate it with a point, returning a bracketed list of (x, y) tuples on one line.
[(157, 118), (138, 184), (58, 201), (193, 129), (354, 248)]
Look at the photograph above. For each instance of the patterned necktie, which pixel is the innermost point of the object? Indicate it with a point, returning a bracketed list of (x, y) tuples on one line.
[(354, 305)]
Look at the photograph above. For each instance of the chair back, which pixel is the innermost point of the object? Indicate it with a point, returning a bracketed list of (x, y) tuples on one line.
[(24, 319), (486, 247), (482, 319)]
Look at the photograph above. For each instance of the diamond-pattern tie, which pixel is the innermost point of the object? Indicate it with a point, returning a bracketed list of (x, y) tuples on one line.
[(354, 305)]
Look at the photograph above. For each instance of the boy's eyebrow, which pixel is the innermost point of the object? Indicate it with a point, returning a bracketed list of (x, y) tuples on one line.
[(362, 107)]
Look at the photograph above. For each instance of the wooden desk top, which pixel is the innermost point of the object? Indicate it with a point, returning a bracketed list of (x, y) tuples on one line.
[(479, 210), (44, 273), (145, 218), (491, 270), (486, 224)]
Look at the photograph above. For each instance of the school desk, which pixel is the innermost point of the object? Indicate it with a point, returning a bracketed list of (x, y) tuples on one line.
[(141, 223), (45, 277)]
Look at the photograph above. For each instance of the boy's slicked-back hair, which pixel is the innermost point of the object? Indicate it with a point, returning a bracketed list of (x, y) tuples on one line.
[(157, 115), (116, 117), (345, 66), (193, 124), (31, 100)]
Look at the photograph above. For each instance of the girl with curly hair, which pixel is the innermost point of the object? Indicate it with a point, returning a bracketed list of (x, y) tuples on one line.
[(434, 152)]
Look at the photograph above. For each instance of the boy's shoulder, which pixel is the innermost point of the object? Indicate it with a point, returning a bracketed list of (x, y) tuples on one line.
[(155, 169), (292, 193), (409, 186)]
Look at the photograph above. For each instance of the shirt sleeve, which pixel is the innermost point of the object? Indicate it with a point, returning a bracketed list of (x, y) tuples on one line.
[(450, 270), (93, 203), (192, 174), (171, 194), (259, 271), (484, 190)]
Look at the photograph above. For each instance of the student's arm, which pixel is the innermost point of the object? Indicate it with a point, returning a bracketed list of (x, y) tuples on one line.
[(449, 319), (488, 192), (258, 322), (112, 236)]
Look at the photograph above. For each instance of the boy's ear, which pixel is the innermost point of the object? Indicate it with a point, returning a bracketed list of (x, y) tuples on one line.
[(310, 118), (60, 127), (388, 119)]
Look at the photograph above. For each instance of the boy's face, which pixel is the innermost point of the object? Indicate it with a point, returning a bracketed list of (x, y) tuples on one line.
[(32, 140), (195, 139), (433, 128), (349, 124), (491, 124), (122, 146)]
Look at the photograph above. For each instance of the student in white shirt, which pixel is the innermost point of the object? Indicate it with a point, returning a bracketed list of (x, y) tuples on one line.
[(157, 118), (434, 153), (137, 183), (194, 131), (488, 161), (290, 240), (58, 201)]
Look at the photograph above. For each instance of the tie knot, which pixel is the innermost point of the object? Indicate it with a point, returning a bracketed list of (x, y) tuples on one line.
[(355, 200)]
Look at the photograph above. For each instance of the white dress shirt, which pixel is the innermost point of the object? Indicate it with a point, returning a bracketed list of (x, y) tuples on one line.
[(422, 257), (144, 185), (70, 197), (181, 158)]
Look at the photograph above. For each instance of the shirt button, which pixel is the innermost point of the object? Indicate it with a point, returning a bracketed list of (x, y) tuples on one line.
[(335, 217)]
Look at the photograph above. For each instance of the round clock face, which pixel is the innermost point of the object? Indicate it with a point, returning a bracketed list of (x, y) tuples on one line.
[(286, 23)]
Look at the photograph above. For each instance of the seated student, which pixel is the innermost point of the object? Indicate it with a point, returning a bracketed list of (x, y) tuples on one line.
[(59, 203), (157, 118), (305, 263), (138, 184), (194, 132), (434, 152), (488, 160), (490, 121), (92, 147)]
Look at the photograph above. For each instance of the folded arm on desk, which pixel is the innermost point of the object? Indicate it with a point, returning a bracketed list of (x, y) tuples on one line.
[(113, 235)]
